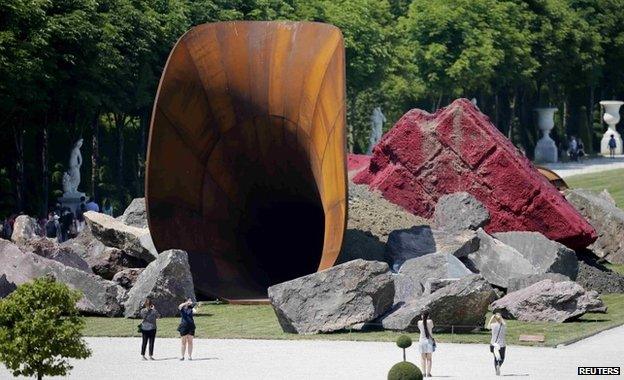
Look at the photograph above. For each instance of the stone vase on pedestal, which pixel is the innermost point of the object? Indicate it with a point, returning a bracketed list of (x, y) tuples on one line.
[(611, 117), (545, 150)]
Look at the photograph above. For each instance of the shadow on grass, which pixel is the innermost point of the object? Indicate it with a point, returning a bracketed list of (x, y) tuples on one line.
[(592, 320)]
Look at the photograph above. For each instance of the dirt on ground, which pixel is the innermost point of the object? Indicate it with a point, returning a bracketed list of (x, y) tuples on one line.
[(595, 276), (369, 211)]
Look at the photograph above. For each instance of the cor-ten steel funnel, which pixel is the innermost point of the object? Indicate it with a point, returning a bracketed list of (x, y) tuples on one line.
[(246, 166)]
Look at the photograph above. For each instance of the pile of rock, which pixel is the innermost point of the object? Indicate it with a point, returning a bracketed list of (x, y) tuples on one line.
[(452, 269), (113, 264)]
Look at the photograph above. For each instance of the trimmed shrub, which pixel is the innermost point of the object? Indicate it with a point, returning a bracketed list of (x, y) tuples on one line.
[(404, 341), (405, 371)]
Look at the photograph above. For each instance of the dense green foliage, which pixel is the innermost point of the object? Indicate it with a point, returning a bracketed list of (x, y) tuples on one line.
[(90, 68), (40, 328), (404, 341), (404, 371)]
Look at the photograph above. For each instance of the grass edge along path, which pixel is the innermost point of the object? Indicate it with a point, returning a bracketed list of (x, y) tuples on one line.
[(224, 321)]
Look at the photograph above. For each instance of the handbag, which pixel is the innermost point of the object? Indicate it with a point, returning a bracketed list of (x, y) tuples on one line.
[(434, 344), (139, 328)]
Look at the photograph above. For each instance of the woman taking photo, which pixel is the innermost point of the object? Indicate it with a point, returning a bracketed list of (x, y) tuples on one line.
[(426, 343), (497, 343), (187, 327), (148, 327)]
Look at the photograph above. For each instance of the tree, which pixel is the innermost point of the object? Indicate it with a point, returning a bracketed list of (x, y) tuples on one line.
[(39, 328)]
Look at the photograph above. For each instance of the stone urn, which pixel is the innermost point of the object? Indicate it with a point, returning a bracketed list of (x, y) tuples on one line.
[(545, 150), (611, 117)]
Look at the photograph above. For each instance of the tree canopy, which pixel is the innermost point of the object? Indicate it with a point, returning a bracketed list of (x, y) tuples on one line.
[(90, 68)]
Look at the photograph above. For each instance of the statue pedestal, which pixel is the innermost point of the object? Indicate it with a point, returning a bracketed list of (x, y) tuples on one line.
[(72, 201), (546, 150), (604, 143)]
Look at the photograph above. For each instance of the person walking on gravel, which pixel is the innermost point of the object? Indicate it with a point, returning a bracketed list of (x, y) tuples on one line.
[(497, 343), (426, 343)]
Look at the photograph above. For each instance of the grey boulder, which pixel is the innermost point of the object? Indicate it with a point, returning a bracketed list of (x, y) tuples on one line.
[(85, 244), (50, 249), (549, 301), (459, 211), (127, 277), (112, 260), (422, 240), (546, 256), (459, 306), (606, 218), (333, 299), (497, 262), (24, 229), (518, 283), (6, 287), (135, 214), (99, 297), (411, 279), (111, 232), (167, 281)]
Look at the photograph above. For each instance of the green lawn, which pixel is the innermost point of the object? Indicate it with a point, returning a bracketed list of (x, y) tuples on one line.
[(612, 180), (259, 322)]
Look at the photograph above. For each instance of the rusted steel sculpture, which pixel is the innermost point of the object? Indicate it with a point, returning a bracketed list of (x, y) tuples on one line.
[(247, 162)]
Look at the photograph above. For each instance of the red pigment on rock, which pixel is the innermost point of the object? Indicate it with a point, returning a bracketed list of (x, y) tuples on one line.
[(425, 156), (357, 162)]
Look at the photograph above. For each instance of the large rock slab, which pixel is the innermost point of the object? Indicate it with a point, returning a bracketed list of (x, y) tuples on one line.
[(135, 214), (333, 299), (113, 260), (518, 283), (426, 156), (127, 277), (85, 244), (6, 287), (111, 232), (411, 280), (167, 281), (99, 297), (607, 219), (545, 255), (549, 301), (460, 306), (422, 240), (497, 262), (25, 228), (49, 248), (458, 212)]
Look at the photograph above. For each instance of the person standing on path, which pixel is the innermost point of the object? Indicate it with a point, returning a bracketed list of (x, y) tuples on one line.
[(612, 146), (187, 327), (148, 327), (426, 343), (497, 343)]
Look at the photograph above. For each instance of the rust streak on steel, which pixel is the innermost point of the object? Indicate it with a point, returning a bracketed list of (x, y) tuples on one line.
[(246, 166)]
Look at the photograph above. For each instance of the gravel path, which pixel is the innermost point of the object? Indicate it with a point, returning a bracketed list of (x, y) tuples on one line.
[(118, 358), (591, 165)]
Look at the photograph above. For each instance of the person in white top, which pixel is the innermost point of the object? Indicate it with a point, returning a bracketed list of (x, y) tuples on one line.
[(426, 343), (497, 343)]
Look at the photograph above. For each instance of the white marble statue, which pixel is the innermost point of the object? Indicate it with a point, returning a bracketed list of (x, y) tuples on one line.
[(377, 121), (71, 178)]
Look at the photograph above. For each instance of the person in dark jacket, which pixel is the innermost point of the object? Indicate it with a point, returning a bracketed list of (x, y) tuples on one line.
[(148, 328), (187, 327)]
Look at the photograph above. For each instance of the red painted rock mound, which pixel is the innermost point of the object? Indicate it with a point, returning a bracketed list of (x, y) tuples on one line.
[(458, 149), (356, 163)]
